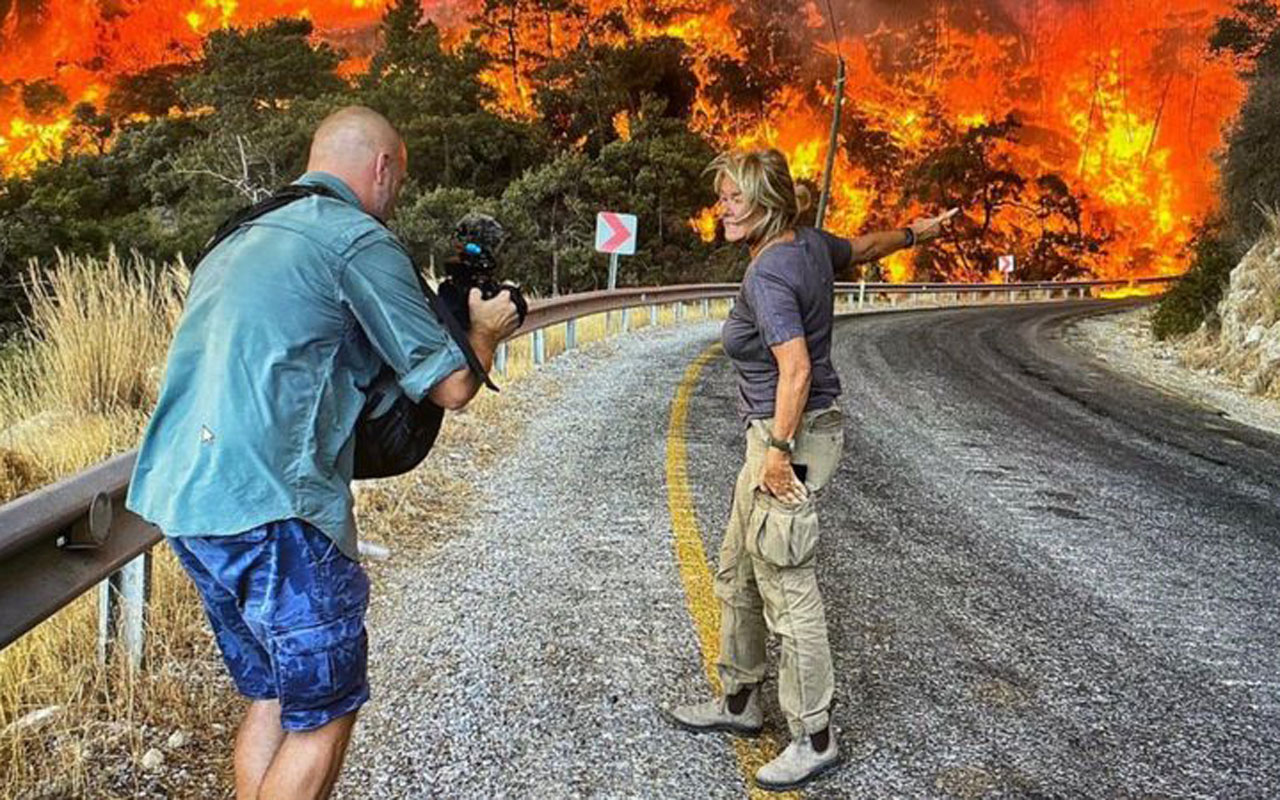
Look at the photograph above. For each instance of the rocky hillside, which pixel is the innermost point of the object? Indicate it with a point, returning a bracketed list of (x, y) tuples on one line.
[(1246, 346)]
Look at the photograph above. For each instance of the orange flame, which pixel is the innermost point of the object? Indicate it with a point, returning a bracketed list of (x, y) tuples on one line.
[(1118, 97)]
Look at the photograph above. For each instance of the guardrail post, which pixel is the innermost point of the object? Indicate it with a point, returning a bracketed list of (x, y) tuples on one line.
[(570, 334), (680, 311), (500, 360), (539, 346), (122, 611), (862, 293), (706, 308), (626, 320), (653, 316)]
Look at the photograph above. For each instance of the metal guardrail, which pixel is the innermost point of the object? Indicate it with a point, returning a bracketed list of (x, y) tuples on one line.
[(59, 541)]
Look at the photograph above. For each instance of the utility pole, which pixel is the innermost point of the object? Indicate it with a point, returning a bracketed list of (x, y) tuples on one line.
[(825, 197)]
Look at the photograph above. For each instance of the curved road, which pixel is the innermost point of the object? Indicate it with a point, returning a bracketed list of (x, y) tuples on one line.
[(1042, 579)]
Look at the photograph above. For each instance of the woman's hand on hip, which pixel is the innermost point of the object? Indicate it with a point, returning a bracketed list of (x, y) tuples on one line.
[(780, 479)]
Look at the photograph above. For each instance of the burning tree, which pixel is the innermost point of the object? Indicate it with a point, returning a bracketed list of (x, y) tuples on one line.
[(1037, 219), (1106, 169)]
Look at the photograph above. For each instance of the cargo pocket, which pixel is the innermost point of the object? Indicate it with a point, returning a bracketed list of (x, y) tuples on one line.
[(819, 445), (319, 669), (780, 534)]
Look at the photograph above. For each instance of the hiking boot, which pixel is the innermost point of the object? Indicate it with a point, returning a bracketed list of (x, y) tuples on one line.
[(714, 715), (797, 765)]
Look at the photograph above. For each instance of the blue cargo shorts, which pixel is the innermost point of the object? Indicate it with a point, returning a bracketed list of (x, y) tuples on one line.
[(287, 608)]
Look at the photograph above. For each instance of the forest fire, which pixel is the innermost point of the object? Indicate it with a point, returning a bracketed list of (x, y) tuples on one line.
[(1079, 135)]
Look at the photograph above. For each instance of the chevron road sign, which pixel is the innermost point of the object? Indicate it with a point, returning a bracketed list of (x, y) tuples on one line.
[(616, 233)]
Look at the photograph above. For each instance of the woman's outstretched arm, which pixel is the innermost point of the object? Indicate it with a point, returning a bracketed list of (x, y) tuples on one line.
[(873, 246)]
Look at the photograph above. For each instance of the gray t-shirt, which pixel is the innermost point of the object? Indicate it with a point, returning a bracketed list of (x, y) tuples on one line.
[(787, 292)]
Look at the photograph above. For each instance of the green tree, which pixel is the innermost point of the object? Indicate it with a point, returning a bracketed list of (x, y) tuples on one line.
[(1193, 301), (412, 72), (554, 214), (436, 99), (262, 69), (1250, 177), (90, 129), (151, 92), (584, 92)]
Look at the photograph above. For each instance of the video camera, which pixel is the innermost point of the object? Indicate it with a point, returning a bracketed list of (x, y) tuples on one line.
[(474, 264)]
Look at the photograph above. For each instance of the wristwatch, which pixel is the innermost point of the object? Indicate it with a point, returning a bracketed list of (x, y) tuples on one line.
[(785, 445)]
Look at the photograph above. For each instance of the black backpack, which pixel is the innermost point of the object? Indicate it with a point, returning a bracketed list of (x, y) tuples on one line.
[(393, 434)]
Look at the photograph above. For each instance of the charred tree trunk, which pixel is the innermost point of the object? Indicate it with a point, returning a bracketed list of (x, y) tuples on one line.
[(1155, 128)]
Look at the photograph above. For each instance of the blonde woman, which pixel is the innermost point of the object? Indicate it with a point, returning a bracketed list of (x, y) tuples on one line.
[(778, 337)]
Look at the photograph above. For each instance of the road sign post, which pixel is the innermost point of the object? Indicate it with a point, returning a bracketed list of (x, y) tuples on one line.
[(615, 235)]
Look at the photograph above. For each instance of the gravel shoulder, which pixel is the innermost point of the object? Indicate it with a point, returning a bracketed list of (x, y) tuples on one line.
[(1123, 341), (527, 655)]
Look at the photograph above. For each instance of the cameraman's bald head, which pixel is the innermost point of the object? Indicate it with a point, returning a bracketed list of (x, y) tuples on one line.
[(358, 145)]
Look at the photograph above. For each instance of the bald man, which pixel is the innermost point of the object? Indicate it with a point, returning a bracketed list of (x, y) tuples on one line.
[(247, 463)]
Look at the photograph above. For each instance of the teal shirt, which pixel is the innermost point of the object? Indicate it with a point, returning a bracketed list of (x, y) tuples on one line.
[(287, 322)]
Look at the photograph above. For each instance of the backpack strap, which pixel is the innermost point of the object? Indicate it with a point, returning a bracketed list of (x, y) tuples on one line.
[(279, 199)]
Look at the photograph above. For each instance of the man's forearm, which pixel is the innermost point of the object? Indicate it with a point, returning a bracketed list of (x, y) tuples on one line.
[(457, 389), (484, 345)]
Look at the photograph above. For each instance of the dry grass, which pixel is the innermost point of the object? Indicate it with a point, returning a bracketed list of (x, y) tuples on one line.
[(78, 389), (80, 385)]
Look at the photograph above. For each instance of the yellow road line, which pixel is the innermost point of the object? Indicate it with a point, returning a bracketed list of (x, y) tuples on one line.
[(696, 575)]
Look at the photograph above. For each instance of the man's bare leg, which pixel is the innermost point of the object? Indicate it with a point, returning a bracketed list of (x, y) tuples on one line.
[(307, 763), (257, 741)]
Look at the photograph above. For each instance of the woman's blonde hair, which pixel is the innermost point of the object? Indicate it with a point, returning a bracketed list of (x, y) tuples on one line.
[(765, 181)]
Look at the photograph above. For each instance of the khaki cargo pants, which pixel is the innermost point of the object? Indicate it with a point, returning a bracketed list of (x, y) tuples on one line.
[(766, 576)]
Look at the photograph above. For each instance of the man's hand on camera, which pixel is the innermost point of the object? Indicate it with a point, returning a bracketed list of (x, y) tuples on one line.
[(495, 318)]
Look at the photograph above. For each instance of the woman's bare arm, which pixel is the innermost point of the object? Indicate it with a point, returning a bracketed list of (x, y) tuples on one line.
[(794, 372), (874, 246)]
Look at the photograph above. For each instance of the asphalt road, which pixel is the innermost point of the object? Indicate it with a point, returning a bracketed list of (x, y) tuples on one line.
[(1043, 579)]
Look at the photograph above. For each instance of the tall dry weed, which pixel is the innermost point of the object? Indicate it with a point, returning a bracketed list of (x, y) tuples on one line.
[(101, 329), (88, 368)]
